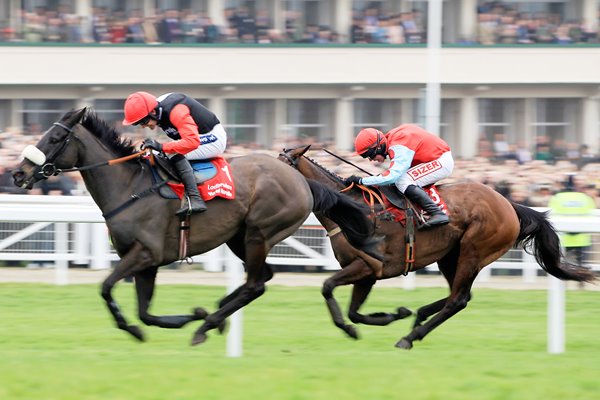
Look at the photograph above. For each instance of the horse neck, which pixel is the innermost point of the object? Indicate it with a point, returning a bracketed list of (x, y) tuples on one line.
[(311, 170), (110, 185)]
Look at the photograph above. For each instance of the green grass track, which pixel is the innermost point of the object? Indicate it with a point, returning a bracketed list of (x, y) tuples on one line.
[(59, 343)]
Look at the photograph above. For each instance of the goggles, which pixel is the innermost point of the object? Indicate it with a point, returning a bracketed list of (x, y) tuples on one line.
[(143, 121), (369, 153)]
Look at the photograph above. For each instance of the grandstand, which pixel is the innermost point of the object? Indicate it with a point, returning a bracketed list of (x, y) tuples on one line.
[(540, 95)]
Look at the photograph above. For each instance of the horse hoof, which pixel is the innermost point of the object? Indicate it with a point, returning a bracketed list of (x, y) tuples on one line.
[(404, 344), (403, 312), (198, 338), (199, 313), (136, 332), (222, 326), (351, 331)]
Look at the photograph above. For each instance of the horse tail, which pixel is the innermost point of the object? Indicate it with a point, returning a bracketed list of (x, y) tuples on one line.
[(350, 215), (540, 239)]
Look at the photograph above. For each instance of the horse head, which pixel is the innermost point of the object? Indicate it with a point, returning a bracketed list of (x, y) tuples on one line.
[(51, 154), (291, 156)]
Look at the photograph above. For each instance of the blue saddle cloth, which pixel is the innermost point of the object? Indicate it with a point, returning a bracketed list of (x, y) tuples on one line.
[(203, 170)]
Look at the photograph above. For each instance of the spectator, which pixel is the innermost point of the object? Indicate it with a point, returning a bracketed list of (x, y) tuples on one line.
[(573, 202), (134, 32), (522, 153), (150, 30), (211, 32), (500, 146), (169, 28)]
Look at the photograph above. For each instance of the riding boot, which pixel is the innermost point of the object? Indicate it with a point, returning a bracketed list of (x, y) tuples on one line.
[(186, 173), (417, 195)]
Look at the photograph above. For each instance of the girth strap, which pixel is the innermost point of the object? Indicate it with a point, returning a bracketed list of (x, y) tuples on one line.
[(134, 197)]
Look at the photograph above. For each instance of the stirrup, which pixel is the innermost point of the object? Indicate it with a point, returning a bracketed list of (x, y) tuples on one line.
[(189, 210), (428, 225)]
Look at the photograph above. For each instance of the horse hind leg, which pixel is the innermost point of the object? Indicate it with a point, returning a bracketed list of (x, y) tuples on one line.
[(459, 297), (145, 282), (256, 254), (447, 267)]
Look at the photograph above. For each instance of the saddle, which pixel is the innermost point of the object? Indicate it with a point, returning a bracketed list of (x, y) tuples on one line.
[(397, 206), (213, 177)]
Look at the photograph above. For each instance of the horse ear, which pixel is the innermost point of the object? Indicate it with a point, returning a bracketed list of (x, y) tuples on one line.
[(73, 117), (80, 114), (305, 150)]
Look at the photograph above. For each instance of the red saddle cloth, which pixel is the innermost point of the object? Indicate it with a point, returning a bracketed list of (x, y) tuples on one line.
[(400, 215), (221, 185)]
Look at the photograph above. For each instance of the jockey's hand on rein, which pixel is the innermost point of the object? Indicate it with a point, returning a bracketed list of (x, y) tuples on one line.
[(352, 179), (152, 144)]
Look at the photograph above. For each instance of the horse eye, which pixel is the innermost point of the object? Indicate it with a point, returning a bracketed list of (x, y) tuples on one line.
[(55, 139)]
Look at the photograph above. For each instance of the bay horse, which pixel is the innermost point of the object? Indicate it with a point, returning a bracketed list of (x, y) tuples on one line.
[(271, 203), (483, 226)]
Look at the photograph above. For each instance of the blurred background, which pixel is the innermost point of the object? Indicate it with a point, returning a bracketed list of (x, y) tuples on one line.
[(519, 80)]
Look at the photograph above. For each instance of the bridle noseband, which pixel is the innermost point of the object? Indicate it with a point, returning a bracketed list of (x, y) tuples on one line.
[(49, 168), (293, 161)]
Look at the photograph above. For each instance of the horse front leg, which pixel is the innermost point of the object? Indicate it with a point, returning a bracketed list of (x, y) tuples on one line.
[(136, 259), (144, 283), (360, 292), (350, 273)]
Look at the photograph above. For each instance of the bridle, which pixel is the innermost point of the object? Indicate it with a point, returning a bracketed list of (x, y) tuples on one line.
[(49, 169), (293, 161)]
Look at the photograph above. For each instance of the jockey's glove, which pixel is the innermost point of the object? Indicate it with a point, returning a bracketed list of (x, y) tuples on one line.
[(152, 144), (352, 179)]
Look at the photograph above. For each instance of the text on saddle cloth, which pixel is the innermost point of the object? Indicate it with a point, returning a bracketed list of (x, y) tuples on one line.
[(399, 215), (214, 179)]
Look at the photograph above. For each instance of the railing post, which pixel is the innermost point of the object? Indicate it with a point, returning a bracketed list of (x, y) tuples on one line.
[(61, 249), (100, 247), (556, 315), (82, 244), (235, 273), (529, 268)]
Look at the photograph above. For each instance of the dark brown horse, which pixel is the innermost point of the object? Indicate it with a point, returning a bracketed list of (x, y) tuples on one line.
[(271, 203), (483, 226)]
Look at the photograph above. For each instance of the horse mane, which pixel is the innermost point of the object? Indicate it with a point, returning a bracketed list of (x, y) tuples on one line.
[(107, 134), (331, 174)]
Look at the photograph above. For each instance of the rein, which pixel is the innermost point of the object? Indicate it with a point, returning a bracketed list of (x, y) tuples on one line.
[(103, 163), (49, 169), (373, 195), (346, 161)]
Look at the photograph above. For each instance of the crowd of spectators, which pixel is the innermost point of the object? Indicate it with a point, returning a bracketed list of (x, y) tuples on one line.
[(529, 177), (498, 22)]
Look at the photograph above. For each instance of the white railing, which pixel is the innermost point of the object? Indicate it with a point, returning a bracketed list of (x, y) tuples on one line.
[(80, 236), (58, 230)]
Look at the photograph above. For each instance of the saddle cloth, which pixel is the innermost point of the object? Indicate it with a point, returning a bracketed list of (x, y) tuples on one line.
[(214, 180), (399, 214)]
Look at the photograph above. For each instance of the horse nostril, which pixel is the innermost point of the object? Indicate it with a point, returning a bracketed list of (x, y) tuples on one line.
[(18, 176)]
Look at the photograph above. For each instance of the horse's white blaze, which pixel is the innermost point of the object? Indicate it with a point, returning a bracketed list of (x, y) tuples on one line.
[(34, 155)]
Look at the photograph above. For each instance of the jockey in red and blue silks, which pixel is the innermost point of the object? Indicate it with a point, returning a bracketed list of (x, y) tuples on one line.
[(417, 159), (196, 131)]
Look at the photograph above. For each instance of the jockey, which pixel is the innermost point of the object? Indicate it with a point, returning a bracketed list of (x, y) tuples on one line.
[(196, 131), (418, 158)]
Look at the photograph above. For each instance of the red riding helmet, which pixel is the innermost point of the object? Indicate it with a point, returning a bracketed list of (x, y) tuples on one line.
[(137, 106), (370, 142)]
